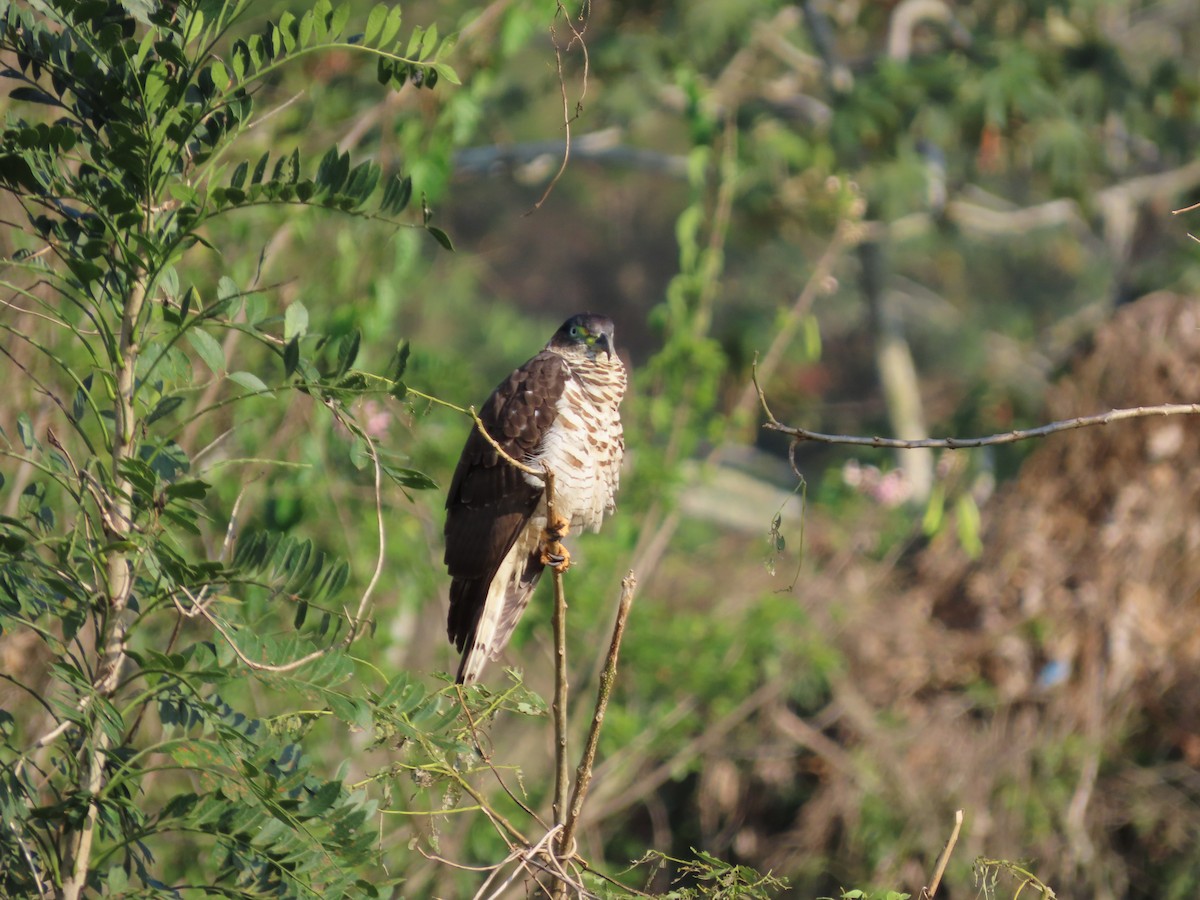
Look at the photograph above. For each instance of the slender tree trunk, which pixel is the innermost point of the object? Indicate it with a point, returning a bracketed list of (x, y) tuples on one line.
[(118, 519)]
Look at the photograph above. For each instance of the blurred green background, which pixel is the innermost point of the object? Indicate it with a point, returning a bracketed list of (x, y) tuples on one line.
[(915, 215)]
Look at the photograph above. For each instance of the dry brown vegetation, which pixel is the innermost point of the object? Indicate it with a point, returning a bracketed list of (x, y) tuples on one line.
[(1049, 687)]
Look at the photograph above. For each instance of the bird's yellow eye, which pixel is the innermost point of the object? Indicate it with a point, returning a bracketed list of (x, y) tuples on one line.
[(576, 331)]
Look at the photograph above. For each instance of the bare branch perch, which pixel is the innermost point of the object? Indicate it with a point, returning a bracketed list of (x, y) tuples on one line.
[(559, 705), (561, 835)]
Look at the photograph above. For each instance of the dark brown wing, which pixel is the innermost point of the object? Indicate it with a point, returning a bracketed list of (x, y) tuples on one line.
[(490, 501)]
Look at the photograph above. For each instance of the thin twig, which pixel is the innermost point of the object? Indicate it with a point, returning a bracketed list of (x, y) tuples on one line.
[(928, 892), (212, 445), (499, 822), (952, 443), (202, 599), (523, 856), (433, 857), (528, 470), (487, 758), (53, 320), (254, 123), (563, 880), (576, 35), (583, 775), (382, 537), (623, 888), (53, 735)]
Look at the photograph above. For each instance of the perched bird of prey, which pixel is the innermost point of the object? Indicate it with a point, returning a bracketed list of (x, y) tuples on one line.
[(560, 410)]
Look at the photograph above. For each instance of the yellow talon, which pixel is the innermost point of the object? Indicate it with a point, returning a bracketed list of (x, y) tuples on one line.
[(554, 554)]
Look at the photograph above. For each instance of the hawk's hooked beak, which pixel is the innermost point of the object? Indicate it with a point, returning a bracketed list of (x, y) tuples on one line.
[(601, 341)]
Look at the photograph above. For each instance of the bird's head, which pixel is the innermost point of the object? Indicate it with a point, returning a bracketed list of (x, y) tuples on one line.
[(584, 335)]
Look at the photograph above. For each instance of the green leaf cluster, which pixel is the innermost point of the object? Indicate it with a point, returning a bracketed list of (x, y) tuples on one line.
[(131, 733)]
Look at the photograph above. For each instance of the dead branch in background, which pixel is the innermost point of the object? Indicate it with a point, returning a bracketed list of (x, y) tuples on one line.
[(530, 159), (800, 435), (612, 802)]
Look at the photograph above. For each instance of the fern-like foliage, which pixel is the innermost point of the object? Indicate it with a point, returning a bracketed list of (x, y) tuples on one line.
[(131, 757)]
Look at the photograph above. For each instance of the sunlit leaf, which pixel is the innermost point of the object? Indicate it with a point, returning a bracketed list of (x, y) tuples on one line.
[(250, 382), (207, 348), (445, 70), (375, 20), (295, 322)]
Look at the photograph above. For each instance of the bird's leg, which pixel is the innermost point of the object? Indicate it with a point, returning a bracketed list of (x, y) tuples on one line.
[(554, 554)]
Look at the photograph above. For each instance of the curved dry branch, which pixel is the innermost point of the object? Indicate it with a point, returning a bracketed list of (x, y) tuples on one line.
[(800, 435), (568, 118), (528, 470)]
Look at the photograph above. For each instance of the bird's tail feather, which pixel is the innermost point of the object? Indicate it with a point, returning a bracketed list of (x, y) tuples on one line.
[(507, 596)]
